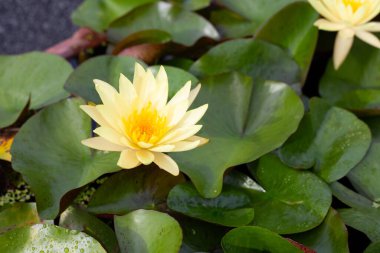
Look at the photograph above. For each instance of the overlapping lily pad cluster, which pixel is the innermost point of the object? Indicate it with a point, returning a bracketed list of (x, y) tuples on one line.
[(292, 155)]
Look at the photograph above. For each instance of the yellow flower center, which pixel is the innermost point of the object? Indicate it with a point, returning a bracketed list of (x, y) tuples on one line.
[(146, 125), (355, 4)]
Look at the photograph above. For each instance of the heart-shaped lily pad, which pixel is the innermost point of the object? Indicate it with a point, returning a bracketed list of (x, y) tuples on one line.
[(256, 239), (184, 26), (294, 201), (145, 187), (43, 237), (231, 208), (48, 152), (245, 120), (147, 231), (331, 139), (33, 79)]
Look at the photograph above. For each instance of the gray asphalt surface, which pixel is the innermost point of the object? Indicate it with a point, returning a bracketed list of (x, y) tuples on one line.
[(27, 25)]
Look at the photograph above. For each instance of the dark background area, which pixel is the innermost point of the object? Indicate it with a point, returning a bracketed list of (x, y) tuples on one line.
[(27, 25)]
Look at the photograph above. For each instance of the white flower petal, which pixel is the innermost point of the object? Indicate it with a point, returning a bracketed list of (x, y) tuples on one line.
[(139, 79), (144, 144), (176, 112), (193, 94), (326, 25), (94, 114), (162, 148), (321, 8), (107, 93), (113, 119), (100, 143), (128, 159), (182, 94), (166, 163), (370, 27), (185, 145), (201, 140), (179, 134), (127, 91), (109, 134), (144, 156), (162, 87), (343, 44), (368, 38), (193, 116)]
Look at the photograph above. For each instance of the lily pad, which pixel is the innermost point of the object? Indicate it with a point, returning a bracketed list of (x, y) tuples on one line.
[(145, 231), (373, 248), (355, 84), (145, 187), (185, 27), (331, 139), (192, 4), (256, 239), (329, 237), (349, 197), (231, 208), (33, 79), (99, 14), (294, 201), (48, 152), (245, 120), (43, 237), (77, 219), (18, 215), (365, 176), (106, 68), (255, 58)]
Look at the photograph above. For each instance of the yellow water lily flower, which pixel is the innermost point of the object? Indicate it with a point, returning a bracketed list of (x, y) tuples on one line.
[(139, 121), (5, 147), (350, 18)]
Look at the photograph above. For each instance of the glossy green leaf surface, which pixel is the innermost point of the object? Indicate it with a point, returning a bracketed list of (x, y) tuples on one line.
[(185, 27), (331, 139), (245, 120), (145, 231), (192, 4), (44, 238), (294, 201), (366, 220), (365, 176), (76, 219), (300, 42), (373, 248), (145, 187), (99, 14), (18, 215), (256, 239), (34, 79), (106, 68), (355, 85), (255, 58), (349, 197), (329, 237), (48, 152), (231, 208)]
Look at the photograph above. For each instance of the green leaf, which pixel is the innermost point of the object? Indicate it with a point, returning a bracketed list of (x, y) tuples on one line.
[(355, 85), (18, 215), (366, 175), (43, 238), (349, 197), (366, 220), (329, 237), (331, 139), (144, 231), (256, 239), (36, 78), (300, 42), (255, 58), (295, 201), (373, 248), (245, 120), (192, 4), (106, 68), (77, 219), (99, 14), (146, 187), (48, 152), (231, 208), (185, 27)]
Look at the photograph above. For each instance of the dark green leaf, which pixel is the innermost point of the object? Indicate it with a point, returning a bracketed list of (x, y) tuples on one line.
[(192, 4), (18, 215), (294, 201), (76, 219), (44, 237), (349, 197), (256, 240), (373, 248), (34, 77), (184, 26), (331, 139), (231, 208), (48, 152), (145, 187), (329, 237), (144, 231), (244, 121)]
